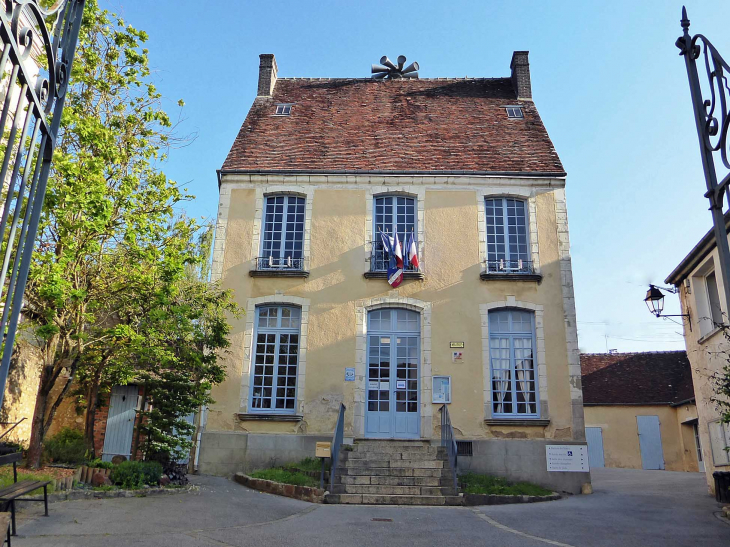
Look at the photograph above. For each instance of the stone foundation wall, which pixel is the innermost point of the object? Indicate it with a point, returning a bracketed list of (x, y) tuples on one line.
[(228, 453), (521, 460)]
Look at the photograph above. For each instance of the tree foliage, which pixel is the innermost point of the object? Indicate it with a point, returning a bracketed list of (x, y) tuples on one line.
[(113, 257)]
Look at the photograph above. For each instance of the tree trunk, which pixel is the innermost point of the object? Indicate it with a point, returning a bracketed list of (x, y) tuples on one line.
[(138, 424), (37, 432), (92, 396)]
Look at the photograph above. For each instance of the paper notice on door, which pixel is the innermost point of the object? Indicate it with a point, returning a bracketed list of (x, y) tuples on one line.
[(384, 385), (373, 385), (400, 384)]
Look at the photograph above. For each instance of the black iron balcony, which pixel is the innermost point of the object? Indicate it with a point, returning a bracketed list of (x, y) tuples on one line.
[(380, 262), (510, 269), (271, 266)]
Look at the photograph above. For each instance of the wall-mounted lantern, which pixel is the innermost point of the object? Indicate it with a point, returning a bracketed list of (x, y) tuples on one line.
[(655, 302)]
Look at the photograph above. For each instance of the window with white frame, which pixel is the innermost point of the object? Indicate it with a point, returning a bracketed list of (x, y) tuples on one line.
[(276, 359), (508, 242), (283, 234), (720, 442), (512, 363), (283, 110), (713, 299), (707, 299), (393, 215)]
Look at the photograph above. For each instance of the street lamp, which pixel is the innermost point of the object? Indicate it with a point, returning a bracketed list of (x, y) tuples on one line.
[(655, 302)]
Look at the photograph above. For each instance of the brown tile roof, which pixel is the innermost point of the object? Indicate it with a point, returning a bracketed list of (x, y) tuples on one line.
[(442, 125), (636, 378)]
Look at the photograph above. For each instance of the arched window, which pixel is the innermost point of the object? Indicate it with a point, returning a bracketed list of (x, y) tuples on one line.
[(276, 357), (512, 363), (508, 242), (283, 234)]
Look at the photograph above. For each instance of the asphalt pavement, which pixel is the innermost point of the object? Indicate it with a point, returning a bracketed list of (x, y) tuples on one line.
[(628, 508)]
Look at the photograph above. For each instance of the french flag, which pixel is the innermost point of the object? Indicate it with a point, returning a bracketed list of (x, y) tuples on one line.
[(413, 252), (395, 275)]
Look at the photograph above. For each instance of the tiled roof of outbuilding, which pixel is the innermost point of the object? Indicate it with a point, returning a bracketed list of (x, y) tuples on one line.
[(426, 125), (636, 378)]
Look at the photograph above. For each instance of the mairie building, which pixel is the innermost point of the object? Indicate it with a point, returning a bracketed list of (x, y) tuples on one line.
[(479, 317)]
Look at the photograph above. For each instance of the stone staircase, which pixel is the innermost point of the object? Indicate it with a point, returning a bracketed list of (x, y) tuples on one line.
[(385, 472)]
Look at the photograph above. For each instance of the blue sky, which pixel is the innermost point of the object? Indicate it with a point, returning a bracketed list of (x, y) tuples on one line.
[(606, 77)]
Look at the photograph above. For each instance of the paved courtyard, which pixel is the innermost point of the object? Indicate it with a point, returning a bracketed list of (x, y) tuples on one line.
[(629, 508)]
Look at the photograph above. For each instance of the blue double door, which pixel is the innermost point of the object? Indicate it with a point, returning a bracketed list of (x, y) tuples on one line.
[(392, 406)]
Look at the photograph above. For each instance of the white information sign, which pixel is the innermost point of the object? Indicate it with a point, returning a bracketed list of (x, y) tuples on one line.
[(400, 384), (350, 374), (373, 384), (441, 389), (567, 457), (385, 385)]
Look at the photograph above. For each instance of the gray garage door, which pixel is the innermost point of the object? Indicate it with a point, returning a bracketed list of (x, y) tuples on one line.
[(120, 422), (594, 437), (650, 442)]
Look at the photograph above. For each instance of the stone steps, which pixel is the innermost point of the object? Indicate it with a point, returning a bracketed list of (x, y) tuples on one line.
[(375, 499), (383, 472), (395, 464), (394, 490), (395, 481), (392, 472), (380, 456)]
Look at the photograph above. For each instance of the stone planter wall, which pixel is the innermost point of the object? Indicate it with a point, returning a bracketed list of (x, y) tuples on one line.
[(304, 493), (494, 499)]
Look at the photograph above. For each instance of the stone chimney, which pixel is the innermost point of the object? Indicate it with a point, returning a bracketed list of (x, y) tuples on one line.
[(267, 74), (520, 67)]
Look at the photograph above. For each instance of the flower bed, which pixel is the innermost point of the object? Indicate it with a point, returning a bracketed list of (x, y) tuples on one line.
[(480, 489)]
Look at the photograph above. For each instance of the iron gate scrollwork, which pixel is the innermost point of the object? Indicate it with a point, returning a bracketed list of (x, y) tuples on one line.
[(711, 108), (37, 46)]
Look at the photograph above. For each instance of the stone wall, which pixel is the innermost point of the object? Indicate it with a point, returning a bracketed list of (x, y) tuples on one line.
[(20, 392), (521, 460)]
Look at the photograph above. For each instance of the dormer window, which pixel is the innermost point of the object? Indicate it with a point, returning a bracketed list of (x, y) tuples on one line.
[(514, 112), (283, 110)]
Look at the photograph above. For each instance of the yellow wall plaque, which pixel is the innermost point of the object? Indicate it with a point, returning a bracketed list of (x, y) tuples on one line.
[(323, 450)]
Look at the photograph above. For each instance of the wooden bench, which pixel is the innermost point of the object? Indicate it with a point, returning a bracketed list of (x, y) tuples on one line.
[(10, 494)]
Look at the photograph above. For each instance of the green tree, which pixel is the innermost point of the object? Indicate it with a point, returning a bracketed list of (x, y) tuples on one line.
[(178, 363), (110, 248)]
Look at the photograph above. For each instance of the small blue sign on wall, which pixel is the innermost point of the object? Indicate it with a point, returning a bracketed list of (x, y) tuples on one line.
[(350, 374)]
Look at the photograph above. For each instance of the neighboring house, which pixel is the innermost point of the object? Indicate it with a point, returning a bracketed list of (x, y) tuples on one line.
[(640, 411), (701, 295), (484, 323)]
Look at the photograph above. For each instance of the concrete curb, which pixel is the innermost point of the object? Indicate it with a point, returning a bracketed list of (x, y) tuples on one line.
[(304, 493), (495, 499), (71, 495)]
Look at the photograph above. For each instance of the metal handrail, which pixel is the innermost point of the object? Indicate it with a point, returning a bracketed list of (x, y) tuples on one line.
[(448, 441), (518, 266), (337, 444), (380, 258)]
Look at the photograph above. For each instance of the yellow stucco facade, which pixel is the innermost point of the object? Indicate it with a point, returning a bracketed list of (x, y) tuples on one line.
[(620, 434), (707, 348), (452, 300)]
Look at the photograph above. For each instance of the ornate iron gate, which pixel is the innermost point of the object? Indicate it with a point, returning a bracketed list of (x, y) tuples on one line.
[(36, 51), (711, 106)]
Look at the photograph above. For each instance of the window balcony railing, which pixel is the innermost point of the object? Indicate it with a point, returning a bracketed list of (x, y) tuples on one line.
[(275, 263), (380, 258), (503, 266), (510, 269), (267, 266)]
